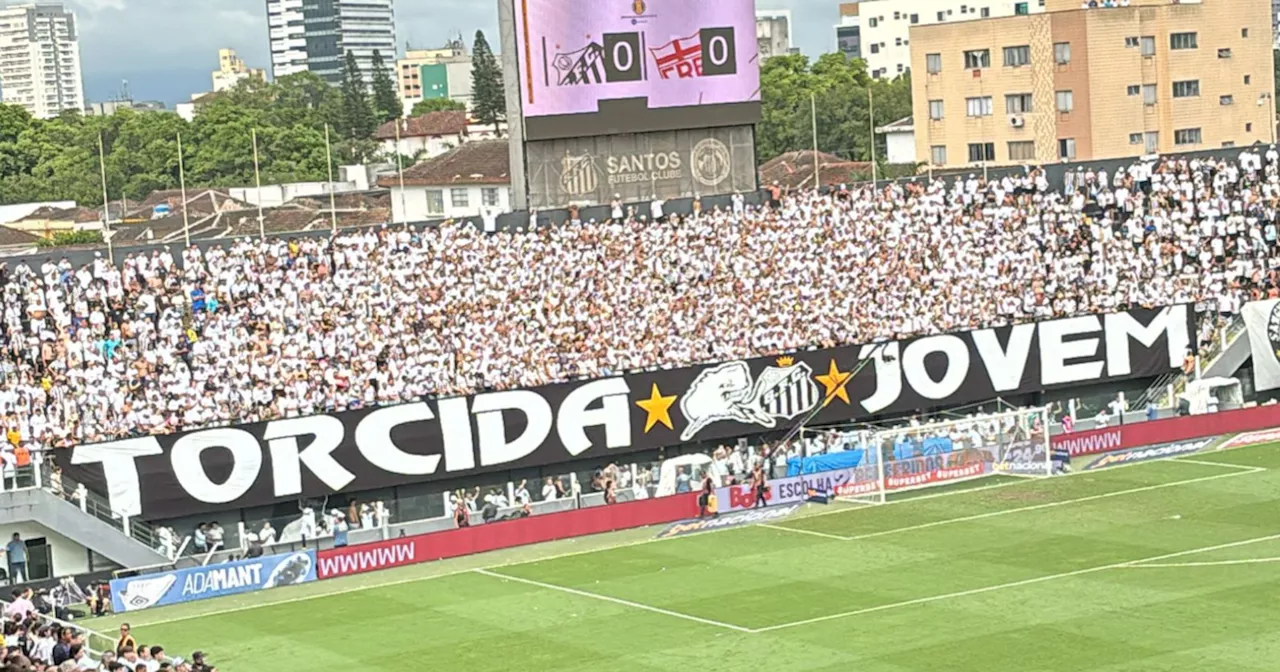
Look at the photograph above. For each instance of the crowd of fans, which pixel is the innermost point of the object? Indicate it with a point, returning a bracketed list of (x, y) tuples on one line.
[(33, 639), (258, 329)]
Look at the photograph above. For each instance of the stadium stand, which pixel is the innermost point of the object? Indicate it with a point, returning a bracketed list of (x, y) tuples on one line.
[(268, 328)]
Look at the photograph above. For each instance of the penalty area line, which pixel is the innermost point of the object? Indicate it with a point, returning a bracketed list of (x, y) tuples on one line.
[(1207, 563), (615, 600), (1015, 584)]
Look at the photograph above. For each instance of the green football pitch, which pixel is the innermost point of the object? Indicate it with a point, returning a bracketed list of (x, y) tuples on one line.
[(1167, 565)]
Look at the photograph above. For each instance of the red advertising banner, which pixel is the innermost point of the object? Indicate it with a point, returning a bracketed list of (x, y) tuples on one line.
[(1168, 431), (503, 534)]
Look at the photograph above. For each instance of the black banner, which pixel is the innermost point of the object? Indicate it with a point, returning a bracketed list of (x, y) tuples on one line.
[(280, 460)]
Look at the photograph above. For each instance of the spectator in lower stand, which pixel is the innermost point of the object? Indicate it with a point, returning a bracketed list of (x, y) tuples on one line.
[(21, 607), (125, 640), (129, 656), (199, 540), (549, 490), (83, 661), (198, 663), (255, 549), (42, 647), (16, 554), (684, 482), (490, 510), (214, 535), (522, 492), (610, 491), (461, 513), (268, 534), (158, 657)]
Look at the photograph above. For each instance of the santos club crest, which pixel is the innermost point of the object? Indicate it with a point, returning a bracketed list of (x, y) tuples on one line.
[(726, 392)]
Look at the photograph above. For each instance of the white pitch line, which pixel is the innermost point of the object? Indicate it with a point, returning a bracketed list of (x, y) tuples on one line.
[(1014, 584), (614, 600), (1037, 507), (1213, 563), (797, 530), (1207, 463)]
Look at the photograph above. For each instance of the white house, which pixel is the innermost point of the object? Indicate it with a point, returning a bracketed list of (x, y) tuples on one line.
[(429, 135), (900, 138), (467, 181)]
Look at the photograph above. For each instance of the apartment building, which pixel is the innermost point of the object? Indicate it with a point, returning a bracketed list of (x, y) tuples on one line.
[(849, 31), (444, 72), (885, 25), (773, 32), (1093, 83), (40, 59), (315, 36), (232, 69)]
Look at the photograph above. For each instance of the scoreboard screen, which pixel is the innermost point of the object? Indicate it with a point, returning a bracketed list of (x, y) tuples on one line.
[(574, 54)]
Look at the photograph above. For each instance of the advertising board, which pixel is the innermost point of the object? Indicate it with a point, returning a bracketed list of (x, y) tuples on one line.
[(1172, 430), (652, 56), (784, 490), (201, 583), (640, 166), (435, 439)]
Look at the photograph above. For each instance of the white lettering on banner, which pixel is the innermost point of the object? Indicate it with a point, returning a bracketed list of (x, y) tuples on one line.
[(613, 415), (1121, 327), (957, 354), (489, 408), (287, 460), (219, 579), (367, 560), (1055, 351), (1005, 367), (888, 376), (120, 469), (246, 463), (373, 438), (455, 432), (1090, 444)]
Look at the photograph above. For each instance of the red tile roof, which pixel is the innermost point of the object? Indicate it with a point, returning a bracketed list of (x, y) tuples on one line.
[(479, 162), (435, 123)]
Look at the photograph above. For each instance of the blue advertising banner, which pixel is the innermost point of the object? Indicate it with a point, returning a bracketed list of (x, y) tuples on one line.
[(199, 583)]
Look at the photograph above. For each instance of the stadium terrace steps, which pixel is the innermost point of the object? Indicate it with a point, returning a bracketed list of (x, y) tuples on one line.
[(58, 515)]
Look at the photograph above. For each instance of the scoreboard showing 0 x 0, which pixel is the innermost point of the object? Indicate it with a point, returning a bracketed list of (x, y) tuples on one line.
[(708, 53), (672, 53)]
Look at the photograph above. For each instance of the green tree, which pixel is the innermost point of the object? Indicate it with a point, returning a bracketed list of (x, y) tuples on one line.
[(489, 100), (385, 100), (358, 121), (430, 105)]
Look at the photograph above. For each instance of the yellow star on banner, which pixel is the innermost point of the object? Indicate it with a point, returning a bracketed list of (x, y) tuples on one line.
[(658, 407), (835, 381)]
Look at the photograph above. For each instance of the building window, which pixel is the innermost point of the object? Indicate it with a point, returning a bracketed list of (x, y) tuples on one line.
[(489, 196), (1022, 151), (1226, 100), (977, 59), (873, 22), (1020, 8), (458, 198), (1017, 56), (435, 202), (942, 16), (1148, 94), (1186, 136), (978, 107), (933, 63), (1183, 41), (1248, 128), (1130, 42), (982, 151), (1062, 53), (1017, 103), (875, 48), (1224, 53), (1148, 46), (935, 109), (1066, 101), (1067, 148), (1244, 32), (1248, 79), (938, 155), (1186, 89), (1228, 144), (1135, 138), (1134, 89), (915, 18)]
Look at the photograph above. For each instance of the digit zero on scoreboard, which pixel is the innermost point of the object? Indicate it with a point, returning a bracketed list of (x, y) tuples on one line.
[(674, 53)]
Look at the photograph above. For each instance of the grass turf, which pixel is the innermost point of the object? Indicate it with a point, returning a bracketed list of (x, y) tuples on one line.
[(1032, 576)]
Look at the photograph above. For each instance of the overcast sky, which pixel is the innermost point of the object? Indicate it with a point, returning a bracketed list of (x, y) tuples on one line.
[(167, 49)]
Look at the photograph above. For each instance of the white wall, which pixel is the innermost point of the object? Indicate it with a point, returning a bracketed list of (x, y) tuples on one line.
[(892, 35), (901, 146), (435, 145), (68, 556), (272, 195), (412, 205)]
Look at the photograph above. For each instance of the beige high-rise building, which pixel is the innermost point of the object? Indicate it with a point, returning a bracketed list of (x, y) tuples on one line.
[(408, 69), (231, 69), (1092, 83)]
